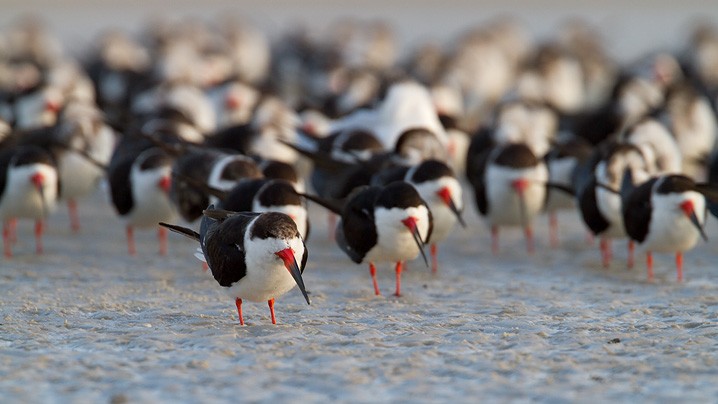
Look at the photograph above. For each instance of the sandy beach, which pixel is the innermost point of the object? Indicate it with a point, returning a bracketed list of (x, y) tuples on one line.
[(86, 323)]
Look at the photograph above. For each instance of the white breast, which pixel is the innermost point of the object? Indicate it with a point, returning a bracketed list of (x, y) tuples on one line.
[(503, 201), (266, 277), (151, 204), (21, 198), (394, 240), (670, 230), (443, 218)]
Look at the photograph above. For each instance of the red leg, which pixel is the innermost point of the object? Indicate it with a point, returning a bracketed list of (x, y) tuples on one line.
[(74, 217), (131, 241), (649, 265), (399, 266), (6, 238), (553, 229), (372, 271), (39, 228), (162, 236), (434, 258), (12, 228), (631, 249), (529, 235), (270, 302), (605, 252), (495, 239), (679, 266), (238, 303)]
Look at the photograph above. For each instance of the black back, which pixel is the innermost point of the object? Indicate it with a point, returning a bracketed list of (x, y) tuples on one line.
[(223, 246), (430, 170), (196, 164), (278, 193), (515, 155), (279, 170), (222, 242), (118, 174), (389, 175), (356, 234), (588, 206), (637, 210), (238, 138), (241, 196)]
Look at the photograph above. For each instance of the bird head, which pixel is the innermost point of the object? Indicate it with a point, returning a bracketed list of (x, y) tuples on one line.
[(290, 262), (445, 195)]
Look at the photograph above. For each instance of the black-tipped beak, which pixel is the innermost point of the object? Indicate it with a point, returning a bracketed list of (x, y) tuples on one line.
[(456, 211), (445, 195), (688, 209), (287, 255), (410, 223)]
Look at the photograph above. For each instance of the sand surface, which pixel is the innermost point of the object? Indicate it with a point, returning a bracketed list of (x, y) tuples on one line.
[(86, 323)]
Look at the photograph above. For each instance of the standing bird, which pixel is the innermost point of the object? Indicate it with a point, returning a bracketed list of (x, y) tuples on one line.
[(382, 224), (251, 255), (139, 187), (665, 214), (597, 193), (440, 189), (562, 161), (29, 188), (510, 189)]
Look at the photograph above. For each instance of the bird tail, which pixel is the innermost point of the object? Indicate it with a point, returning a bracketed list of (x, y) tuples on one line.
[(189, 233), (331, 206)]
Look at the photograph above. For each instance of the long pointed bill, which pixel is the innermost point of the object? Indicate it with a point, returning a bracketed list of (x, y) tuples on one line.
[(287, 255), (445, 196), (38, 181), (410, 223), (520, 186), (687, 208)]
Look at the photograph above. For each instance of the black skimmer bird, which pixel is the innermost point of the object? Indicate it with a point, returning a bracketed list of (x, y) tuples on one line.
[(280, 170), (140, 182), (29, 188), (440, 189), (657, 145), (342, 162), (407, 106), (258, 195), (336, 170), (37, 107), (449, 106), (689, 116), (382, 224), (554, 76), (666, 214), (119, 68), (212, 167), (510, 189), (85, 145), (273, 124), (562, 161), (597, 185), (253, 256), (233, 102)]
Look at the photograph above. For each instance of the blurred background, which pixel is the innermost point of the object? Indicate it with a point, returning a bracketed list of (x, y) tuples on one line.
[(627, 26)]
